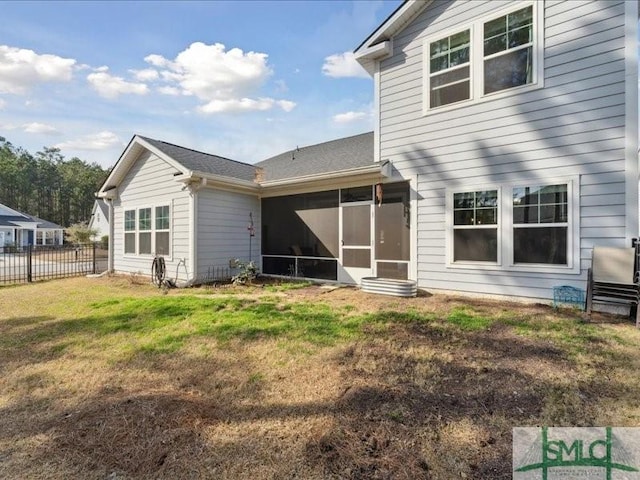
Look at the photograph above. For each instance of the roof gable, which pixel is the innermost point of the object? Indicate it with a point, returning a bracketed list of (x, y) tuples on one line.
[(196, 161), (186, 162), (6, 211)]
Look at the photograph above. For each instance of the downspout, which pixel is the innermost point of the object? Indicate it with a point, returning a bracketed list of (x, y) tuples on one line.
[(194, 243), (193, 228), (110, 265)]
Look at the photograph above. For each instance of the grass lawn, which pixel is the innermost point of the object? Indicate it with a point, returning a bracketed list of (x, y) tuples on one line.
[(110, 378)]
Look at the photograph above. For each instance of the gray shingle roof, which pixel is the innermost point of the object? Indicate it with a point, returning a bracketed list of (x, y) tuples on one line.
[(45, 223), (7, 220), (332, 156), (205, 162)]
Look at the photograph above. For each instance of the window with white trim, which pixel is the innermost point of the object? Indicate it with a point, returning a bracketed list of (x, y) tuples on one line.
[(450, 73), (508, 51), (147, 231), (493, 55), (540, 224), (144, 231), (162, 230), (524, 226), (475, 226), (130, 232)]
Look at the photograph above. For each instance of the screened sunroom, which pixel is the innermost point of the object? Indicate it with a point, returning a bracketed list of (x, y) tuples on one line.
[(340, 235)]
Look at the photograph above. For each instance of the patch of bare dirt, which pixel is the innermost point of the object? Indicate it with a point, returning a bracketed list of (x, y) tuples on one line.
[(409, 400)]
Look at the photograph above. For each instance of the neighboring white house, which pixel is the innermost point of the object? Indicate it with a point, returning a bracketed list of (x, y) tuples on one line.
[(19, 229), (99, 219), (504, 149)]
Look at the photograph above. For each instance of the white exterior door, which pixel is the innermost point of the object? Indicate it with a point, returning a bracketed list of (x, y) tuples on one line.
[(355, 245)]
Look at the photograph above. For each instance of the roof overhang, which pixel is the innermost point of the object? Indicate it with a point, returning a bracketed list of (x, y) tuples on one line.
[(136, 147), (378, 45), (197, 180), (327, 181)]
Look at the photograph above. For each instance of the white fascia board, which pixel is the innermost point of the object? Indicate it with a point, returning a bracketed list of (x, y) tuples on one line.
[(322, 176), (127, 159), (108, 194), (375, 52), (370, 58), (311, 183), (393, 24), (203, 180)]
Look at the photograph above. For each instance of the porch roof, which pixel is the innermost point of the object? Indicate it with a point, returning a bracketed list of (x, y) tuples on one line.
[(333, 156)]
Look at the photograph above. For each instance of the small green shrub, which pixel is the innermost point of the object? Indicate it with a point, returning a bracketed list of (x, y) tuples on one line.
[(248, 271)]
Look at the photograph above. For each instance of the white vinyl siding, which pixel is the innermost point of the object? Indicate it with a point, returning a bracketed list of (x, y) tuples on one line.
[(223, 222), (139, 189), (573, 127)]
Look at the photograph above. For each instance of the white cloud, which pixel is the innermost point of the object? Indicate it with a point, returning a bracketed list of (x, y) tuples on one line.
[(21, 69), (110, 86), (343, 65), (145, 75), (157, 60), (349, 117), (245, 105), (2, 104), (286, 105), (35, 127), (166, 90), (224, 80), (96, 141)]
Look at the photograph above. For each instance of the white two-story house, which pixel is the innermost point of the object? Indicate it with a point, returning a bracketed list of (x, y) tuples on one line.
[(518, 124)]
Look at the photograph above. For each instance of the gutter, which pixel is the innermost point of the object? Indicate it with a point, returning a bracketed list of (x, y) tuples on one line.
[(201, 179), (379, 169)]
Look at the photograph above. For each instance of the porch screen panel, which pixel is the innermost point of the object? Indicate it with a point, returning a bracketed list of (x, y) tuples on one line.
[(301, 225), (393, 223), (356, 225)]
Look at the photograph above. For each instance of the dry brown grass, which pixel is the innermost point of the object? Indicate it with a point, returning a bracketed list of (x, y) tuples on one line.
[(418, 393)]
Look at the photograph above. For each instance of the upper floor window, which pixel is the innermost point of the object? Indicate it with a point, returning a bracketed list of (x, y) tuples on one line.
[(450, 76), (490, 58), (508, 51)]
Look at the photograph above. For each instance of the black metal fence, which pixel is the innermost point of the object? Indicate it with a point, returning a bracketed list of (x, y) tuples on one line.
[(35, 263)]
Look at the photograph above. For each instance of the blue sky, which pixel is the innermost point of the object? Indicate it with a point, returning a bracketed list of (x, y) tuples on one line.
[(240, 79)]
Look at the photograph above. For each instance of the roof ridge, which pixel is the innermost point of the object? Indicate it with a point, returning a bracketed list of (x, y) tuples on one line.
[(331, 141), (341, 139)]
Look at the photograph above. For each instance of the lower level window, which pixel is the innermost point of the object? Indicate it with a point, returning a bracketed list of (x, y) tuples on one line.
[(537, 232), (540, 224), (147, 231), (475, 226)]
